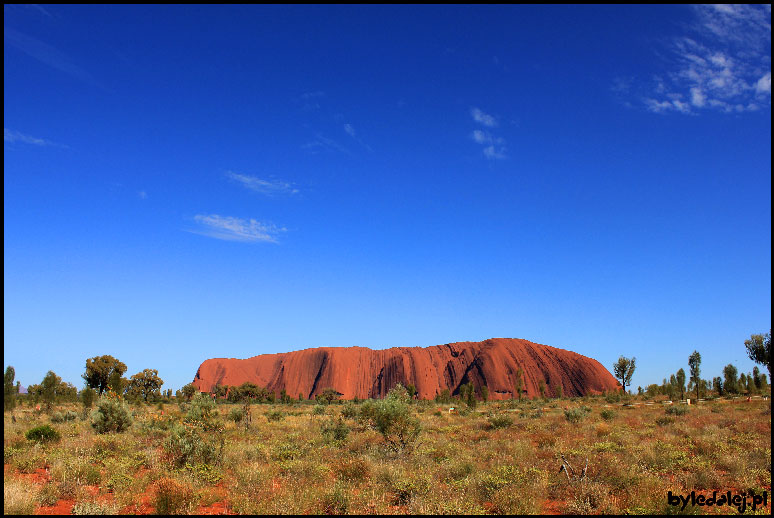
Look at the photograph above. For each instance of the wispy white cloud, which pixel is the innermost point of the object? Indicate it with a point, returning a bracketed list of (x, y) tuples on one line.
[(142, 195), (723, 65), (494, 146), (230, 228), (12, 137), (47, 54), (324, 143), (256, 184), (350, 130), (483, 118)]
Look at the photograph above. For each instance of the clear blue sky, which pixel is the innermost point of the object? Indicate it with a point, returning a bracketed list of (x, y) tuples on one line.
[(184, 183)]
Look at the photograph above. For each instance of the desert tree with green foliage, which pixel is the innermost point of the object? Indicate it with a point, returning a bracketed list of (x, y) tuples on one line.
[(623, 370), (327, 396), (519, 382), (759, 349), (101, 370), (694, 364), (88, 395), (680, 377), (146, 384), (717, 385), (730, 383), (9, 390), (188, 391)]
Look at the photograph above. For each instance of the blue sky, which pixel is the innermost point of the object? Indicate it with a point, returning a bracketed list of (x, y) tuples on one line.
[(192, 182)]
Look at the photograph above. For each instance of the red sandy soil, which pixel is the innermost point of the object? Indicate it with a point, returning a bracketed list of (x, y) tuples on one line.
[(366, 373)]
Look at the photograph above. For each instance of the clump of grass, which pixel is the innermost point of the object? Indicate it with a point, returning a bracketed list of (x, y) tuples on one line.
[(335, 501), (19, 497), (664, 420), (353, 470), (95, 508), (171, 497)]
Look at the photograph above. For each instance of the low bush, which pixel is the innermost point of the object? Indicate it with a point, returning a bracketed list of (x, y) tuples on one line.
[(43, 434), (275, 415), (111, 415), (576, 415), (392, 417), (607, 414), (236, 415), (335, 430), (676, 410), (499, 421)]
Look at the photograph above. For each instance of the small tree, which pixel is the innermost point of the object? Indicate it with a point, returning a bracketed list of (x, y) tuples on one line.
[(759, 349), (542, 388), (729, 379), (99, 371), (694, 362), (717, 385), (328, 396), (88, 395), (519, 382), (189, 390), (444, 397), (48, 389), (147, 384), (559, 390), (412, 390), (681, 382), (756, 374), (623, 369), (484, 393), (9, 391)]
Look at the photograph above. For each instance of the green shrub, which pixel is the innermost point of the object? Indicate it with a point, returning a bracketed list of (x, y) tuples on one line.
[(275, 415), (42, 434), (201, 409), (335, 430), (576, 415), (191, 443), (111, 415), (500, 421), (607, 415), (392, 417), (676, 410), (350, 410), (236, 415)]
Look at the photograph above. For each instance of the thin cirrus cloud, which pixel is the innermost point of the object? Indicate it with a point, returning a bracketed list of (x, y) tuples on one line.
[(724, 64), (494, 146), (12, 137), (47, 54), (268, 187), (483, 118), (228, 228)]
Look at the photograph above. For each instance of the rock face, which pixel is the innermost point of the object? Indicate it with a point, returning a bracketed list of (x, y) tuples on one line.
[(366, 373)]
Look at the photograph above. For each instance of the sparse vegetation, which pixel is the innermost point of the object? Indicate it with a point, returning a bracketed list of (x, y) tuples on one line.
[(390, 456)]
